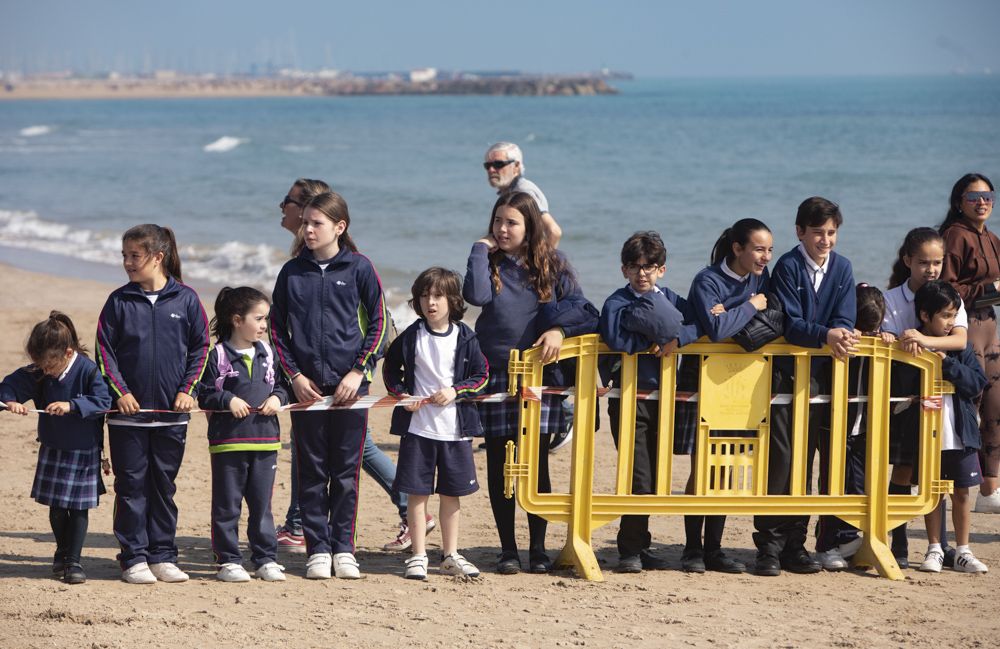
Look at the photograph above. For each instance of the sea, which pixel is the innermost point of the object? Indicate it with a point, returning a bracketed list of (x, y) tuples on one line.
[(685, 157)]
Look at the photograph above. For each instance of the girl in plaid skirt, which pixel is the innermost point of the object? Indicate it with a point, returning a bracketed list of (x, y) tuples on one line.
[(529, 298), (66, 385)]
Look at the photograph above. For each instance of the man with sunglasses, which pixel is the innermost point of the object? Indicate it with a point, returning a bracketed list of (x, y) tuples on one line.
[(504, 166)]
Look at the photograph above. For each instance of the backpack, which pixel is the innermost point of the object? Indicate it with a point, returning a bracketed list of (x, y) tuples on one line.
[(226, 369)]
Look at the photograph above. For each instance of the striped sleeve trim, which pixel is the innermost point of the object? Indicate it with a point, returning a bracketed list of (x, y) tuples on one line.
[(203, 361), (380, 336), (480, 385), (101, 355)]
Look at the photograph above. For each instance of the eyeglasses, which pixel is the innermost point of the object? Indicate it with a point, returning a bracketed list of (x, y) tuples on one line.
[(975, 197), (647, 269), (497, 165), (288, 199)]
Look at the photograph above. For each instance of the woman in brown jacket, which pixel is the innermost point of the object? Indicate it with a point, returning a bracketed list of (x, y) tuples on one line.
[(972, 265)]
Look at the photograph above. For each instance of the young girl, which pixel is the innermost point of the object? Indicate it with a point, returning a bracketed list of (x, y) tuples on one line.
[(328, 326), (243, 444), (919, 261), (530, 298), (64, 383), (437, 357), (152, 346), (737, 279)]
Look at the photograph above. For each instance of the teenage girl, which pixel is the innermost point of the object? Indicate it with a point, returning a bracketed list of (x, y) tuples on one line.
[(64, 383), (244, 442), (737, 279), (529, 298), (920, 260), (972, 266), (328, 326), (152, 346)]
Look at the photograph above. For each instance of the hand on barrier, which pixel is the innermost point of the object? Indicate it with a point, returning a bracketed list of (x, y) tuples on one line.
[(913, 341), (239, 408), (184, 402), (271, 406), (305, 389), (666, 348), (887, 337), (16, 408), (58, 408), (550, 342), (931, 403), (841, 342), (348, 386), (127, 405), (443, 397)]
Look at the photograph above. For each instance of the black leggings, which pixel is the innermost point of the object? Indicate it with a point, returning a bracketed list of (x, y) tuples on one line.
[(70, 529), (503, 508)]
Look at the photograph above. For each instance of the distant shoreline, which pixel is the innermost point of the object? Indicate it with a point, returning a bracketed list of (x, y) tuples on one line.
[(234, 87)]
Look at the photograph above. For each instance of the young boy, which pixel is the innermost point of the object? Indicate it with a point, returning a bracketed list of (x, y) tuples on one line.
[(816, 289), (437, 358), (634, 319), (937, 303)]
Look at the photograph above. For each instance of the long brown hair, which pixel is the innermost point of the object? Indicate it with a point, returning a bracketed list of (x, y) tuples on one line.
[(914, 240), (50, 338), (333, 206), (954, 214), (154, 238), (543, 264), (308, 188)]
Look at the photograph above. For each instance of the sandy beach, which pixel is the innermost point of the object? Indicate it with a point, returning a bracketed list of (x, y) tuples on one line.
[(653, 609)]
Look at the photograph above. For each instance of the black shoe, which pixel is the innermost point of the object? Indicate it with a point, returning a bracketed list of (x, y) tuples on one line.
[(561, 439), (901, 555), (719, 562), (949, 557), (652, 562), (631, 564), (74, 574), (58, 567), (693, 561), (767, 565), (903, 563), (508, 564), (799, 562), (539, 564)]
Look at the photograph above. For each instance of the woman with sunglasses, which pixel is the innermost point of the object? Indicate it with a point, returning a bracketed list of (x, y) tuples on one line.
[(972, 266)]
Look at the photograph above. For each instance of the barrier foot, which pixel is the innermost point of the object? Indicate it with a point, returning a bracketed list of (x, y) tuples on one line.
[(578, 554), (874, 553)]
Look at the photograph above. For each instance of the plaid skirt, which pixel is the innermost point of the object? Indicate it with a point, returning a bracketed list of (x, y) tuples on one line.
[(501, 419), (67, 478)]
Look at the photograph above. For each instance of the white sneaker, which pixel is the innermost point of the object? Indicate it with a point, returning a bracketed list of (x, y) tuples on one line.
[(345, 566), (233, 573), (138, 574), (318, 566), (168, 572), (831, 560), (967, 562), (933, 561), (416, 567), (271, 572), (458, 566), (849, 549), (988, 504)]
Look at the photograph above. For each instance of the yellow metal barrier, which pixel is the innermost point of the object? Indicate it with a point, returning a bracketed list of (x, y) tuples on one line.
[(730, 472)]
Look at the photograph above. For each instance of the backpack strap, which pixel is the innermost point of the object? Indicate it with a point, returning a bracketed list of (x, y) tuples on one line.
[(268, 364), (225, 366)]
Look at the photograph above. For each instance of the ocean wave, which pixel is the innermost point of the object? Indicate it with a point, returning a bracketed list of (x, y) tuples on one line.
[(35, 131), (298, 148), (223, 144)]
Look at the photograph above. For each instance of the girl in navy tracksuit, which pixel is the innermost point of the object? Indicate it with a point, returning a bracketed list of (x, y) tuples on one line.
[(64, 383), (243, 442), (738, 280), (328, 326), (152, 347), (530, 298)]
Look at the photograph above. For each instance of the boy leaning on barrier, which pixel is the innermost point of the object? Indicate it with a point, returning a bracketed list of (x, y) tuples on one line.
[(816, 289), (634, 319)]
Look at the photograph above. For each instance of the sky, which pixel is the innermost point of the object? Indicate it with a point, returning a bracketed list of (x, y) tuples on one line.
[(704, 38)]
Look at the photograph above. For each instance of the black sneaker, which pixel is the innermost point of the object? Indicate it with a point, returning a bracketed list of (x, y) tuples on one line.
[(719, 562), (631, 564), (74, 574), (767, 565), (652, 562), (508, 564), (693, 561), (539, 564), (799, 562)]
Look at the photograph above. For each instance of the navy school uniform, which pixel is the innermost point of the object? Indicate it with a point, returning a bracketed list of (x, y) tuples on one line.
[(631, 323), (809, 315), (324, 323), (244, 452), (153, 351)]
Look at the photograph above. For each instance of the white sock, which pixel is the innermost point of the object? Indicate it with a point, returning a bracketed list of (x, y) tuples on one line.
[(963, 549), (934, 546)]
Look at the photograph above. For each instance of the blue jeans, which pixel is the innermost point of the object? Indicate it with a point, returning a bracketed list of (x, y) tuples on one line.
[(375, 463)]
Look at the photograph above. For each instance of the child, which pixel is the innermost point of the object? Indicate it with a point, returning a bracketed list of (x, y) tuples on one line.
[(64, 383), (920, 260), (738, 281), (328, 326), (152, 346), (633, 319), (937, 305), (832, 533), (243, 444), (530, 298), (816, 289), (437, 357)]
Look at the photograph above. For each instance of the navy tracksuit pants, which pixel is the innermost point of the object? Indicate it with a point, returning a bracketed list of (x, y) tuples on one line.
[(328, 447), (146, 461), (239, 475)]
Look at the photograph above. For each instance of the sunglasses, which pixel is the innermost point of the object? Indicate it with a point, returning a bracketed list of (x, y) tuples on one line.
[(975, 197), (288, 199), (497, 165), (648, 269)]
